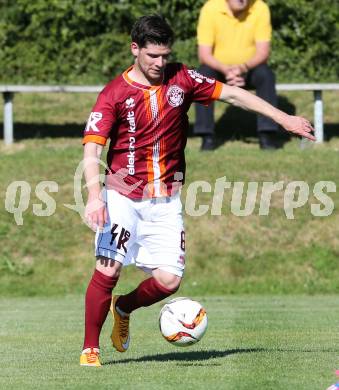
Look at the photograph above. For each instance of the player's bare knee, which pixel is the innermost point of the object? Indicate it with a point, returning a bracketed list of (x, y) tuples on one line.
[(108, 267), (168, 280), (174, 284)]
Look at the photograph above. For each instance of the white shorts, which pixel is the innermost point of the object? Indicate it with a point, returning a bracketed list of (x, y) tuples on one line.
[(148, 233)]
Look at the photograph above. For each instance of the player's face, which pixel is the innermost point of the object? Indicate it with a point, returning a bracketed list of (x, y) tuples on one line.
[(238, 5), (151, 60)]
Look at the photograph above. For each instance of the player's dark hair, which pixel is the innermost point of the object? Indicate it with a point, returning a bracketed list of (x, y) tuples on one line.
[(152, 29)]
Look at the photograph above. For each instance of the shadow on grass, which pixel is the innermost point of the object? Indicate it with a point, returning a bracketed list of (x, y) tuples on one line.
[(331, 130), (203, 358), (40, 130), (194, 356)]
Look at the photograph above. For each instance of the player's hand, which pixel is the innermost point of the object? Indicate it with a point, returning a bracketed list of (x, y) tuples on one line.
[(95, 212), (299, 126)]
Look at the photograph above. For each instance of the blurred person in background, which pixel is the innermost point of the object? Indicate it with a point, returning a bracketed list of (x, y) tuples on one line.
[(233, 47)]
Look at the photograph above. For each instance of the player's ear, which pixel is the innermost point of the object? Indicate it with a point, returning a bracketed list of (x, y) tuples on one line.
[(134, 49)]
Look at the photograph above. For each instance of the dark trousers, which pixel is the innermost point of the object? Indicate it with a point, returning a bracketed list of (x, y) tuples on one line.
[(260, 78)]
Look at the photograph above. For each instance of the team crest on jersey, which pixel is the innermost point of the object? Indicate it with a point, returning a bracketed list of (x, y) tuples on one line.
[(175, 96), (130, 103)]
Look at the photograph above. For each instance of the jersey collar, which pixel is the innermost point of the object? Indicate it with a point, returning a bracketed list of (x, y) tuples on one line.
[(138, 85)]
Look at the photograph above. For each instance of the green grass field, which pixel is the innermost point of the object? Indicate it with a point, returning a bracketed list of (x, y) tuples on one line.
[(259, 343)]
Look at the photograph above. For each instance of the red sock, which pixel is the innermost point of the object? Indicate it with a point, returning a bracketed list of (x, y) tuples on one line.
[(148, 292), (97, 302)]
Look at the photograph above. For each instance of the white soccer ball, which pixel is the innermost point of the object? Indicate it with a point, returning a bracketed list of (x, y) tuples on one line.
[(183, 321)]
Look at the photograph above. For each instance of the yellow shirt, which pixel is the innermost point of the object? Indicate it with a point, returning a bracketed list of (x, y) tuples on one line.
[(233, 39)]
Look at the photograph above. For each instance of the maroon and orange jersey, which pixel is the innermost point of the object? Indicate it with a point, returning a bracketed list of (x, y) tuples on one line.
[(147, 127)]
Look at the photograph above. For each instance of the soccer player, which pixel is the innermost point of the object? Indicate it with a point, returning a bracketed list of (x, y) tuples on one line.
[(138, 219)]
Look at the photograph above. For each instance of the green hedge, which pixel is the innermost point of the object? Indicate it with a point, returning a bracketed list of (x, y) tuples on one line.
[(86, 41), (306, 39)]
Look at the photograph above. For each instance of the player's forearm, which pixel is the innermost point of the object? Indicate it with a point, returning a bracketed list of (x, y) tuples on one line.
[(248, 101), (92, 153)]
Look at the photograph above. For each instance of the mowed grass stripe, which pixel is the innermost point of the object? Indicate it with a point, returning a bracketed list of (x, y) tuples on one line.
[(284, 342)]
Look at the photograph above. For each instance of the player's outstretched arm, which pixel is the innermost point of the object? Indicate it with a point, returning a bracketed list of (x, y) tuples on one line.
[(95, 210), (241, 98)]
